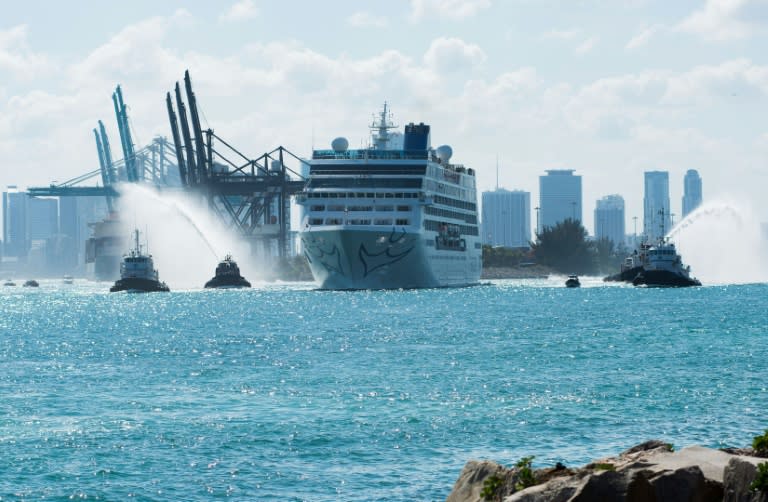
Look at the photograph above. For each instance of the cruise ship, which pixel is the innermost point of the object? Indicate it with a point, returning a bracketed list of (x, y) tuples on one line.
[(397, 214)]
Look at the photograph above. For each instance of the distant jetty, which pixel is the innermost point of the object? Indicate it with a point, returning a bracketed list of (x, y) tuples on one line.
[(651, 471), (517, 272)]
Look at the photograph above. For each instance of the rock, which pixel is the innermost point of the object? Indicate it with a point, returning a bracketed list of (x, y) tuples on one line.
[(470, 483), (738, 476), (647, 472), (653, 444)]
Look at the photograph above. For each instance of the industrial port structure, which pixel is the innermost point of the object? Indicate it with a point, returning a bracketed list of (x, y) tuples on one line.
[(248, 195)]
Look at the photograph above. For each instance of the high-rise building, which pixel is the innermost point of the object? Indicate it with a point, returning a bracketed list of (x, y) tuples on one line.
[(42, 218), (609, 219), (507, 218), (691, 191), (657, 218), (559, 198), (15, 238)]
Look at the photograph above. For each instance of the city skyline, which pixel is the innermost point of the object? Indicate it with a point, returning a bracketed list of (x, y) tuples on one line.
[(610, 221), (692, 192), (506, 218), (657, 213), (560, 198), (610, 90)]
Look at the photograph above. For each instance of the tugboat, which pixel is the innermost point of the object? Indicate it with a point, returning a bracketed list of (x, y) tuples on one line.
[(228, 275), (31, 284), (633, 265), (137, 273), (664, 267), (572, 282)]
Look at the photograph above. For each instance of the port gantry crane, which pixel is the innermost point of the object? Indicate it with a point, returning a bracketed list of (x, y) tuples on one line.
[(152, 163), (251, 196)]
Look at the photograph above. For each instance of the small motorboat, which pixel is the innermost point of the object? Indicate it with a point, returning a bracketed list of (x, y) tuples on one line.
[(9, 282), (31, 284), (572, 282), (68, 279)]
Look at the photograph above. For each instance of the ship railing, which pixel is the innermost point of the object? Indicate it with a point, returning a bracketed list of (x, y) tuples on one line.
[(370, 155)]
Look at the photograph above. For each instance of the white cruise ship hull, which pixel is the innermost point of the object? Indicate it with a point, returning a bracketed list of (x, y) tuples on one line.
[(344, 258)]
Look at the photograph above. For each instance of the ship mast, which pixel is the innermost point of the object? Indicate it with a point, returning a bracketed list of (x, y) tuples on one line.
[(138, 250), (380, 129)]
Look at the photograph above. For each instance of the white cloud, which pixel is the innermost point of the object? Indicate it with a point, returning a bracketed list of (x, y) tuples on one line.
[(644, 36), (135, 53), (570, 34), (587, 45), (660, 98), (366, 20), (576, 36), (453, 55), (722, 20), (16, 56), (240, 11), (448, 9)]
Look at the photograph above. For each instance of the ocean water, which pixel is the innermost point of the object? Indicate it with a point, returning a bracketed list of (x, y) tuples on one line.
[(283, 392)]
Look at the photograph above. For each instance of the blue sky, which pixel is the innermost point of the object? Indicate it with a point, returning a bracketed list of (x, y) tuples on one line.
[(608, 88)]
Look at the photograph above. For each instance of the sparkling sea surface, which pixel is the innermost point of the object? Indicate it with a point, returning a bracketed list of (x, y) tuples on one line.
[(283, 392)]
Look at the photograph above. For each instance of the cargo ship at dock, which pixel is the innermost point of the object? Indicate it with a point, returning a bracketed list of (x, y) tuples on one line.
[(104, 249), (398, 214)]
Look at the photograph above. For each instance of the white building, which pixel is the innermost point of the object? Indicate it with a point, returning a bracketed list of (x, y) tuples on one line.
[(691, 191), (657, 218), (506, 218), (609, 219), (559, 198)]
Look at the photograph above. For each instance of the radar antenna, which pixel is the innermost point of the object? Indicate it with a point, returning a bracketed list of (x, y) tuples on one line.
[(380, 129)]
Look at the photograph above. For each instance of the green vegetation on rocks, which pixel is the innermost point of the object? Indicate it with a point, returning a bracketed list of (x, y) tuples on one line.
[(760, 483), (760, 444), (525, 476)]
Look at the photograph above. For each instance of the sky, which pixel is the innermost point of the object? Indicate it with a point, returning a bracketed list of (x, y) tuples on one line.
[(608, 88)]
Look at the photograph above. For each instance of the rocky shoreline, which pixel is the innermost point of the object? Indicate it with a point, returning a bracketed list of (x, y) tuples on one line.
[(649, 472)]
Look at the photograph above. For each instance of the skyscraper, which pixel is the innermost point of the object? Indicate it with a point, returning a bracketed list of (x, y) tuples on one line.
[(507, 218), (692, 191), (15, 239), (42, 218), (656, 204), (559, 198), (609, 219)]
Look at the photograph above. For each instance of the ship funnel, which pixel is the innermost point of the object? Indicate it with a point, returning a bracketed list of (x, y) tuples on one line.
[(416, 137)]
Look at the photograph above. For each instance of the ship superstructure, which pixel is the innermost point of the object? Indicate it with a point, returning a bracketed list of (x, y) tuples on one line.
[(397, 214)]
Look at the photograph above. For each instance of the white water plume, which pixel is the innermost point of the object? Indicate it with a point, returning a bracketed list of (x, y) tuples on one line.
[(723, 243), (183, 237)]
